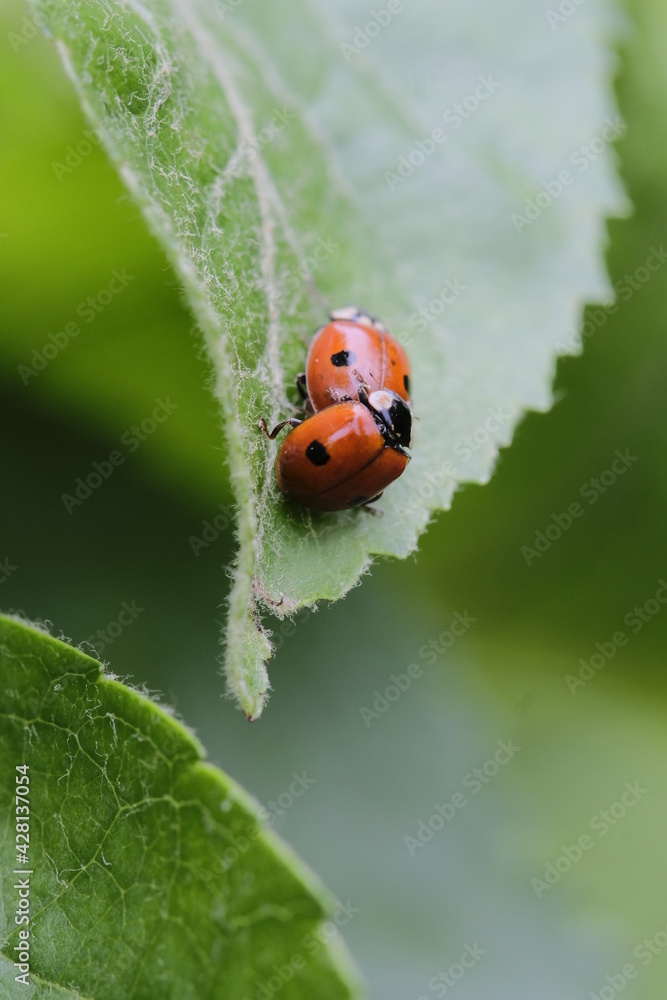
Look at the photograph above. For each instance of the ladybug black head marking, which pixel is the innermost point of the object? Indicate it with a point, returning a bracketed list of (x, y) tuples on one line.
[(393, 415)]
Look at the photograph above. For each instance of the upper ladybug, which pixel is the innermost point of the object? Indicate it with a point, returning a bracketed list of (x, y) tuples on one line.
[(354, 351)]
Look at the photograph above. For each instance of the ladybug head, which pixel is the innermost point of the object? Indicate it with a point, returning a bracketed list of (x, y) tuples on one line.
[(355, 315), (394, 416)]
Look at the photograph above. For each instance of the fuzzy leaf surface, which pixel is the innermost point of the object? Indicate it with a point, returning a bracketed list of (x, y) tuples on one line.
[(153, 873), (451, 172)]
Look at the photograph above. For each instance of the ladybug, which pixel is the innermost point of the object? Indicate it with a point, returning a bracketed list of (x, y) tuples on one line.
[(346, 454), (354, 350)]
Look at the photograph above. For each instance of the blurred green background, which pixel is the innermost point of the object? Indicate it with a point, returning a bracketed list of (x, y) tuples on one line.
[(62, 233)]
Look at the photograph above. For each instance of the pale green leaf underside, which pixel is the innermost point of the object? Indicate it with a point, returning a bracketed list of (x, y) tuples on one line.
[(182, 91), (135, 893)]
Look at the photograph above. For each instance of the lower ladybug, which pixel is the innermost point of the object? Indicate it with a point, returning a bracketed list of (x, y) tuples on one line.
[(347, 454), (354, 350)]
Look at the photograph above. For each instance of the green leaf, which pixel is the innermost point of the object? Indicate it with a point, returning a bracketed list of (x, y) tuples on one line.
[(290, 160), (153, 873)]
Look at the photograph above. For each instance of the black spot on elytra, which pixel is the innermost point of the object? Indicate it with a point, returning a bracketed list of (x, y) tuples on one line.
[(317, 453), (358, 501), (406, 383), (343, 359)]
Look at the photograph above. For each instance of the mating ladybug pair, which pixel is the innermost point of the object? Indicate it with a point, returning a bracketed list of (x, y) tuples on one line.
[(352, 443)]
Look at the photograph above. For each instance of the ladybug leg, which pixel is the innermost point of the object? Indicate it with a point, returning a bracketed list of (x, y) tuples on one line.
[(372, 510), (363, 398), (305, 405), (301, 385), (338, 397), (272, 435)]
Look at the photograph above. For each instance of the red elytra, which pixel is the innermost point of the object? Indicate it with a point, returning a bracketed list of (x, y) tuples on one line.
[(339, 458), (354, 350)]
